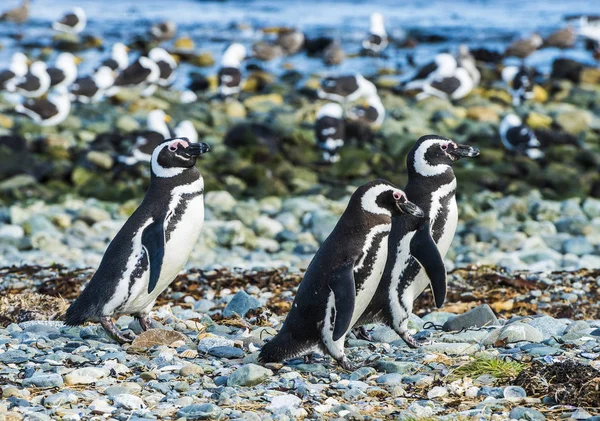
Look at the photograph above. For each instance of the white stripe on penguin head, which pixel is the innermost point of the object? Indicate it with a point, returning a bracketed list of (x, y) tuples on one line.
[(158, 169), (369, 199), (422, 166)]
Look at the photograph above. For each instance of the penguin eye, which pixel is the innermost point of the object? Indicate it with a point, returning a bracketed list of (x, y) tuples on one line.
[(397, 195), (173, 148), (444, 146)]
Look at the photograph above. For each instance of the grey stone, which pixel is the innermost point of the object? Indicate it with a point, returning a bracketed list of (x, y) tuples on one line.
[(60, 399), (549, 326), (452, 348), (226, 352), (390, 379), (249, 375), (240, 304), (479, 316), (514, 392), (516, 332), (402, 367), (578, 246), (529, 414), (44, 381), (205, 411)]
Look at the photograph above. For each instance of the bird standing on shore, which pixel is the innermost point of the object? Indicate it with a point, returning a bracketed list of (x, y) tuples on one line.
[(72, 23), (64, 73), (49, 111), (16, 70), (152, 247), (520, 83), (92, 88), (523, 48), (377, 40), (519, 138), (35, 83), (230, 74)]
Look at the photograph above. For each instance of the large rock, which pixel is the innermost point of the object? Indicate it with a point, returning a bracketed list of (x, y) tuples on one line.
[(240, 304), (478, 317), (249, 375), (153, 337), (205, 411), (43, 381), (515, 332), (86, 375)]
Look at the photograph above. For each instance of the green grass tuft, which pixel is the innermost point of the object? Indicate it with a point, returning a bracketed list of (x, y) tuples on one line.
[(496, 367)]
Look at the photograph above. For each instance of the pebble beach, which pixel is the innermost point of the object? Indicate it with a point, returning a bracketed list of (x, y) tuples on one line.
[(518, 337)]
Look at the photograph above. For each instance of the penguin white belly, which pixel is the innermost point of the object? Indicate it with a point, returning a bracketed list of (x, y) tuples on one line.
[(177, 251), (365, 295)]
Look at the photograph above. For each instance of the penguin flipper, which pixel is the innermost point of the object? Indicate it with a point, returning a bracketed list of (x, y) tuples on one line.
[(344, 290), (425, 251), (153, 240)]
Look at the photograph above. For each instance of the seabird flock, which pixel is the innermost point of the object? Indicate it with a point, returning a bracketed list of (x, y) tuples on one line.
[(45, 91)]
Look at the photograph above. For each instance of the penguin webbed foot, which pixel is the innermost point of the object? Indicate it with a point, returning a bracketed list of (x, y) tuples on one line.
[(362, 333), (145, 322), (110, 328), (410, 341)]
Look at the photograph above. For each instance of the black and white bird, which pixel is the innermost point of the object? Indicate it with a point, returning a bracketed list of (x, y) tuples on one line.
[(92, 88), (35, 83), (16, 70), (443, 65), (163, 31), (230, 74), (143, 73), (346, 89), (73, 22), (330, 131), (119, 58), (520, 83), (186, 129), (519, 138), (466, 60), (166, 64), (64, 72), (412, 264), (371, 113), (342, 277), (157, 130), (49, 111), (377, 40), (456, 86), (152, 247)]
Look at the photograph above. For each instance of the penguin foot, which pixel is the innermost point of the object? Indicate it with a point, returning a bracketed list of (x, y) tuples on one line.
[(145, 322), (345, 364), (362, 333), (110, 328), (410, 341)]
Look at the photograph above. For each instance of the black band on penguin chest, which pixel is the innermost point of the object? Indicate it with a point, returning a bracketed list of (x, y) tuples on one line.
[(179, 211), (361, 275), (437, 229)]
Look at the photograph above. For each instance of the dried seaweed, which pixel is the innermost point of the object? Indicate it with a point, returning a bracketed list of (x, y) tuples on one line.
[(568, 382)]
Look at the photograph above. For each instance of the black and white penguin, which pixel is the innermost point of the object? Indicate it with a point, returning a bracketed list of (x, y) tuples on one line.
[(377, 40), (92, 88), (443, 65), (64, 72), (119, 58), (157, 130), (72, 23), (142, 72), (153, 245), (342, 277), (466, 60), (35, 83), (520, 83), (371, 113), (346, 88), (329, 131), (167, 65), (49, 111), (230, 74), (16, 70), (519, 138), (412, 264), (456, 86), (163, 31)]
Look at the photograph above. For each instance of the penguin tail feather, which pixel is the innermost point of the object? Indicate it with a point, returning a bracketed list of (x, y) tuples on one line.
[(282, 347), (80, 311)]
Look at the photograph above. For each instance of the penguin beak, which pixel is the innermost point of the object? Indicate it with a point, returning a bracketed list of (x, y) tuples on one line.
[(463, 151), (197, 149), (410, 208)]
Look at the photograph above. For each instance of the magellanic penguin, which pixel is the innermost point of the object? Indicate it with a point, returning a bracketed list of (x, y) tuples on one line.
[(377, 39), (153, 245), (413, 262), (342, 277)]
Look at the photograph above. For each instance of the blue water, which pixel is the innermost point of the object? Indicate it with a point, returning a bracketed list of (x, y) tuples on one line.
[(478, 23)]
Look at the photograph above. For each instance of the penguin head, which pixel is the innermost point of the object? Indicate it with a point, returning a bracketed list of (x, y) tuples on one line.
[(434, 155), (173, 156), (382, 197)]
